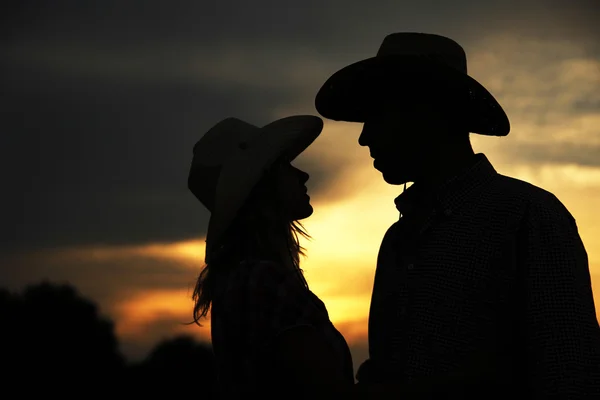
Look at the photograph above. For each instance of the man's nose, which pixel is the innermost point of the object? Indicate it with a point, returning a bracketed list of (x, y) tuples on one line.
[(304, 177)]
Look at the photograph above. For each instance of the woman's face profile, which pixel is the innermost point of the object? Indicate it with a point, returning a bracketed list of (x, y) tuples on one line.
[(290, 184)]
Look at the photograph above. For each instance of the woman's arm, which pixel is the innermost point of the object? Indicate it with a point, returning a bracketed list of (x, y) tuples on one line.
[(305, 365)]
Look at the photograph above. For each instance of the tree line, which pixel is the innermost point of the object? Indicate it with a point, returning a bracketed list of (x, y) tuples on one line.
[(53, 341)]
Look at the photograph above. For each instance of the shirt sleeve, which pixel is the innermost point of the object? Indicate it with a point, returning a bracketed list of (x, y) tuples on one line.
[(262, 301), (562, 333)]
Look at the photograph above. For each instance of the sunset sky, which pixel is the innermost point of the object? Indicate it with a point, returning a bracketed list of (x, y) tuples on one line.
[(103, 101)]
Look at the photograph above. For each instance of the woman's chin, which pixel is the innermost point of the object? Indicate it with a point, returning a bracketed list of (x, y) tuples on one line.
[(304, 213)]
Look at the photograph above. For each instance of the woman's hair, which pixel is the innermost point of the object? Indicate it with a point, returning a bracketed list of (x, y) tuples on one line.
[(260, 231)]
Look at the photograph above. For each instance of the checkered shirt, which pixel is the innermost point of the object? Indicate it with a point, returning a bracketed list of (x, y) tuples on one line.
[(485, 276), (256, 302)]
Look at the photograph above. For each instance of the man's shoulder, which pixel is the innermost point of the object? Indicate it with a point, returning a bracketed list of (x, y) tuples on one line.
[(515, 186), (534, 197)]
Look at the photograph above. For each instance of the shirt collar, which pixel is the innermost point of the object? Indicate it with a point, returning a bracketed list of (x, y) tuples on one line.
[(451, 193)]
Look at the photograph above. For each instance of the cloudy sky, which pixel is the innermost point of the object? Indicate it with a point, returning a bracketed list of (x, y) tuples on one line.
[(103, 101)]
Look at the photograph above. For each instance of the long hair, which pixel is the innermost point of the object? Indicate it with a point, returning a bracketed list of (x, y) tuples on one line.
[(260, 231)]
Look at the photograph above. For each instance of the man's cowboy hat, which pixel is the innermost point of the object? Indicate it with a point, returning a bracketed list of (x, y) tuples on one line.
[(231, 158), (408, 68)]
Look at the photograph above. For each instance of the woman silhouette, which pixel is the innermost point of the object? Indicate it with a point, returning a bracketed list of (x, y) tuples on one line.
[(270, 333)]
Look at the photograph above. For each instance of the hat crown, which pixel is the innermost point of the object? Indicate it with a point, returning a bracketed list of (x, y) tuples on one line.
[(216, 145), (426, 45), (211, 152)]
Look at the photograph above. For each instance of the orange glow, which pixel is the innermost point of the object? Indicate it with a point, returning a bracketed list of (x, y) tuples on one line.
[(192, 251), (137, 314), (341, 256), (339, 267)]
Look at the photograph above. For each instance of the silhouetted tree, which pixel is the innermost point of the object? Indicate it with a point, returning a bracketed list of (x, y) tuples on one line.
[(10, 310), (178, 366), (56, 342)]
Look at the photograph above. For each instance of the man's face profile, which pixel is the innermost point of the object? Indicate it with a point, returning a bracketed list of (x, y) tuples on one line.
[(400, 141)]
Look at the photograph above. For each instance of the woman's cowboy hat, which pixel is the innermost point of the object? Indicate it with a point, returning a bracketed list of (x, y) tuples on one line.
[(231, 158), (413, 67)]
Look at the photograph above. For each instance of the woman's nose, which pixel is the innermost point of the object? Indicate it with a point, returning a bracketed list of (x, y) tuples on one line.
[(365, 136)]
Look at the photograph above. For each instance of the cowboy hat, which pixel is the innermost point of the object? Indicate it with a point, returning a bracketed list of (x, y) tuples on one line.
[(231, 158), (409, 68)]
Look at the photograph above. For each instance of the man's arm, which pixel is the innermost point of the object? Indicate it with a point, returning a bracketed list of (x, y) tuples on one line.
[(562, 336), (458, 385)]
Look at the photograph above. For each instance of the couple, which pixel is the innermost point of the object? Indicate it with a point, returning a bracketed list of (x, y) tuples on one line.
[(482, 287)]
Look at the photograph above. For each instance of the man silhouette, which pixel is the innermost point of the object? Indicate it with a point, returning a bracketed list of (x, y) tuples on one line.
[(482, 286)]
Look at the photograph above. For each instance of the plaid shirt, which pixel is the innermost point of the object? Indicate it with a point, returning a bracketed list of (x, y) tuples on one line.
[(255, 303), (488, 276)]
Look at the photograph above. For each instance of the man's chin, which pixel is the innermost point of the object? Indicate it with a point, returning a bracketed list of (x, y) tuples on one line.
[(389, 175), (394, 179)]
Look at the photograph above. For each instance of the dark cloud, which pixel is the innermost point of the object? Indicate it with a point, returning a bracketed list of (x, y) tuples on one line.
[(336, 28), (102, 102), (92, 161), (139, 21), (581, 154), (586, 106)]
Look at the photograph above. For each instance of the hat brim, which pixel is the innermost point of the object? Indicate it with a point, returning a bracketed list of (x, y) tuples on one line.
[(286, 137), (357, 91)]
